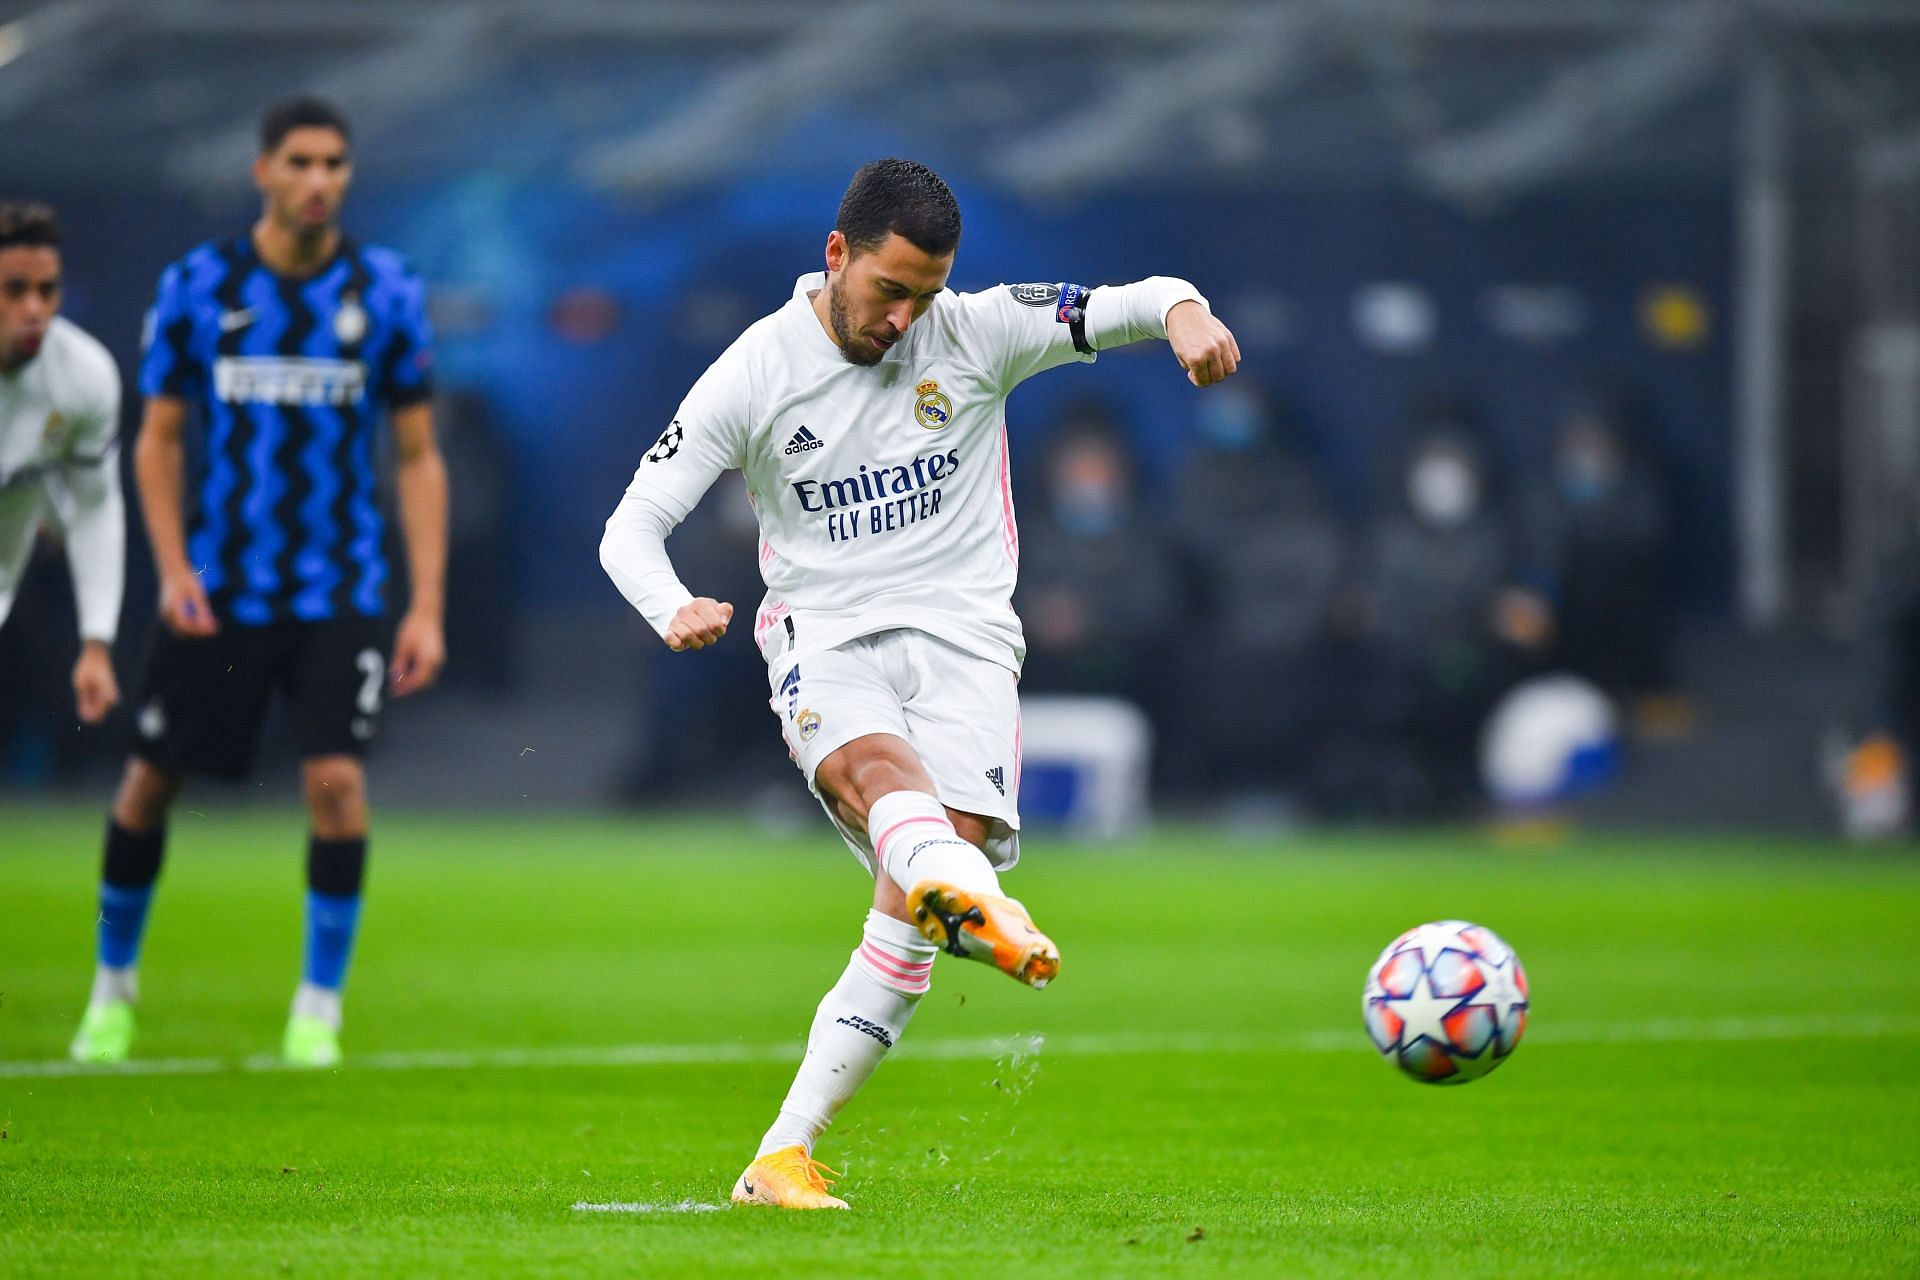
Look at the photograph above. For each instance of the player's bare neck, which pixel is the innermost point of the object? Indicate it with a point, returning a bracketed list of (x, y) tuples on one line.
[(286, 254)]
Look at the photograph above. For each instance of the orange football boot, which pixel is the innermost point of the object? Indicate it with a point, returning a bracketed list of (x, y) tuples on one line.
[(787, 1179), (981, 926)]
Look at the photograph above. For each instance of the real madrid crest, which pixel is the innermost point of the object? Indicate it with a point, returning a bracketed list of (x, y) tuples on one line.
[(350, 319), (932, 409), (52, 432)]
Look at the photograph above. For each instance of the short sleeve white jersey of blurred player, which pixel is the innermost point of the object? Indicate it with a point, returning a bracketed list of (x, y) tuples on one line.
[(881, 491), (59, 419)]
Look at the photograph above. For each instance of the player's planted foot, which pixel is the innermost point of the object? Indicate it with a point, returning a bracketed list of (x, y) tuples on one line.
[(981, 926), (106, 1033), (787, 1179), (310, 1042)]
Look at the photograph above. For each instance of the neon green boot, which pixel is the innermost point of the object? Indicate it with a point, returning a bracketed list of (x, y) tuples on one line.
[(106, 1033)]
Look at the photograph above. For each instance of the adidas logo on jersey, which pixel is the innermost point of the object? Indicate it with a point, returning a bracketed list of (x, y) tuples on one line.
[(804, 440), (998, 777)]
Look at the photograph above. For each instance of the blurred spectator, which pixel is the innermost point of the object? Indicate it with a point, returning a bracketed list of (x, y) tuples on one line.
[(1600, 529), (1098, 593), (1438, 627), (704, 727), (1870, 765), (1264, 551)]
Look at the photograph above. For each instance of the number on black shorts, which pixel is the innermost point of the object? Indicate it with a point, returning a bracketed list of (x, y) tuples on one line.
[(371, 669)]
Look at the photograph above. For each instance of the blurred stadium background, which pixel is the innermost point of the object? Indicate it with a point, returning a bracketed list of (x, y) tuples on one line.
[(1582, 342), (1582, 337)]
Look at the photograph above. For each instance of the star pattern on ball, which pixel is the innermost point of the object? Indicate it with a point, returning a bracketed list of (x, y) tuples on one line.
[(1434, 938), (1422, 1013), (1502, 992)]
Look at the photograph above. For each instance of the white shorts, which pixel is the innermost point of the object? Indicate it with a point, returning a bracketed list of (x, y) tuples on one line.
[(959, 713)]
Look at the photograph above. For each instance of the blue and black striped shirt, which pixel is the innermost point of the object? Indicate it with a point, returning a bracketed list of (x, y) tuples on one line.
[(290, 376)]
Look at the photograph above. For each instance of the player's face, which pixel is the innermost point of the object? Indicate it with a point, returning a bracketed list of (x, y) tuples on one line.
[(304, 179), (872, 297), (29, 299)]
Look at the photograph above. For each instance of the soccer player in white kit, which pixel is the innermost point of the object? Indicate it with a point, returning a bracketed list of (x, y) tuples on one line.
[(868, 416), (59, 422)]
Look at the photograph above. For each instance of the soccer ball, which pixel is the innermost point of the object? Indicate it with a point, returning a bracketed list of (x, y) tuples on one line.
[(1446, 1002)]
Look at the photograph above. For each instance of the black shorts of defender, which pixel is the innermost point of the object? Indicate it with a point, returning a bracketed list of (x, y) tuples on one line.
[(203, 700)]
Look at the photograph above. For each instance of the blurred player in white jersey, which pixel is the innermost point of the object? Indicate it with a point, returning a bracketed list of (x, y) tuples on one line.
[(59, 420), (868, 416)]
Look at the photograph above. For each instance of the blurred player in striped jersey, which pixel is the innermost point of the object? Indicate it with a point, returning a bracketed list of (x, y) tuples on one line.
[(868, 416), (292, 342), (59, 428)]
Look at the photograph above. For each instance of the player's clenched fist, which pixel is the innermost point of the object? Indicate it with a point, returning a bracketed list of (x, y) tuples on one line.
[(1204, 347), (698, 623)]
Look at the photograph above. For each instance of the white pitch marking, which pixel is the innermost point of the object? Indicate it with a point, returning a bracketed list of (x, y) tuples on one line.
[(1654, 1031), (629, 1206)]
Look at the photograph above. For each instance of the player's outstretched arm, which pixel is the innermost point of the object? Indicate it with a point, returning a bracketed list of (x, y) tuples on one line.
[(702, 441), (1028, 328), (420, 478), (633, 551), (1204, 347), (159, 460)]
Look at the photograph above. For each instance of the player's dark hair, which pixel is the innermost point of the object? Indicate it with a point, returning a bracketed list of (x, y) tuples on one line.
[(283, 117), (24, 222), (902, 197)]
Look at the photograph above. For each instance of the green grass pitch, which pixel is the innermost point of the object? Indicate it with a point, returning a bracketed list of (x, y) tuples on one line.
[(1722, 1075)]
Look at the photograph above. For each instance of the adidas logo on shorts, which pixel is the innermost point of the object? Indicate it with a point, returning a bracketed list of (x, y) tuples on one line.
[(998, 777), (804, 440)]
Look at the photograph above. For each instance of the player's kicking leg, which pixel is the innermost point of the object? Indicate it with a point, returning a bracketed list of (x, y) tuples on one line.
[(135, 844), (877, 784), (951, 894), (336, 791)]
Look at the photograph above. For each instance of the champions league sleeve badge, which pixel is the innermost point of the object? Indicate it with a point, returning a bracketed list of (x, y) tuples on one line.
[(350, 320), (668, 444)]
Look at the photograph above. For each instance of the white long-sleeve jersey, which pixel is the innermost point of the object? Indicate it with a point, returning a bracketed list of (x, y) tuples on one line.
[(882, 492), (59, 423)]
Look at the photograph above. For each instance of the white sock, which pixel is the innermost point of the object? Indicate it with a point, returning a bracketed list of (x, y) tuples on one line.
[(112, 982), (856, 1024), (913, 840), (310, 1001)]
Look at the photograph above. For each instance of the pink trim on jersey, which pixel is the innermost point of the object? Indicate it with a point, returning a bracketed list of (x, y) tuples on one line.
[(767, 621), (1009, 531), (766, 553)]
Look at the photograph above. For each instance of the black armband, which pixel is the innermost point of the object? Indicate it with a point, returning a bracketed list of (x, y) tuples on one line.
[(1072, 312)]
